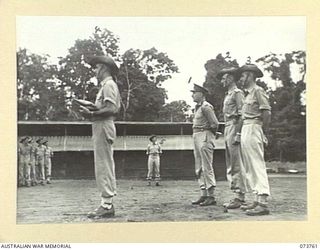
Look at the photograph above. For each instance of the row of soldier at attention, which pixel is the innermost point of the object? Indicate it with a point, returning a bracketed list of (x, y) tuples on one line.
[(247, 116), (34, 161)]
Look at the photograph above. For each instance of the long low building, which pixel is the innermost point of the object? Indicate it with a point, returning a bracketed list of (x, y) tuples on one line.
[(73, 148)]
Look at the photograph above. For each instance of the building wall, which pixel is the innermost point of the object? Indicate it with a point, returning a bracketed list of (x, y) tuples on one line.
[(175, 164), (73, 155)]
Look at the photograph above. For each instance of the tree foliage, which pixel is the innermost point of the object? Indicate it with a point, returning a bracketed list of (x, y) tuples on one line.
[(288, 126), (175, 111), (216, 90), (140, 77), (39, 96)]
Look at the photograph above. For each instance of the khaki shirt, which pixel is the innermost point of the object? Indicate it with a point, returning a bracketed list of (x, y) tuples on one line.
[(254, 103), (204, 117), (48, 153), (232, 104), (40, 152), (108, 92), (25, 150), (154, 149), (33, 152)]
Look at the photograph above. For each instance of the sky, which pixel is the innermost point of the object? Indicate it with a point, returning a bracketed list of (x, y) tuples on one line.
[(189, 41)]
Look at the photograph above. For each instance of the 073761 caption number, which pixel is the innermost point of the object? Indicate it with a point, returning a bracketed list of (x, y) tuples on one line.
[(308, 246)]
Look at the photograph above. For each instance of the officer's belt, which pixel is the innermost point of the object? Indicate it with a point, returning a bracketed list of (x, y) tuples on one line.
[(197, 130), (252, 121), (231, 122)]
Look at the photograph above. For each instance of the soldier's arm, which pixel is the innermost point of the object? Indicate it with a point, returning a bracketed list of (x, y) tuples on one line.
[(239, 102), (265, 108), (266, 118), (211, 117), (109, 109)]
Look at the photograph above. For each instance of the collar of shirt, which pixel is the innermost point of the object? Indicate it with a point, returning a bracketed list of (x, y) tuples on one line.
[(198, 105), (249, 90), (231, 90), (105, 80)]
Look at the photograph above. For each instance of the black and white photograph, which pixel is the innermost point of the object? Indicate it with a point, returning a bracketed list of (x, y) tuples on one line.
[(161, 119)]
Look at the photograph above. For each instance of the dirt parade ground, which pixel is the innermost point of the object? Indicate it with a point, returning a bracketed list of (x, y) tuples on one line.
[(68, 201)]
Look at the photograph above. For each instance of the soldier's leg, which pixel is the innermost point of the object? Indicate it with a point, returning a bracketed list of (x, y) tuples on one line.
[(157, 170), (256, 169), (48, 170), (104, 164), (28, 173), (33, 173), (227, 155), (237, 180), (207, 149), (41, 170), (20, 172), (150, 168), (198, 140)]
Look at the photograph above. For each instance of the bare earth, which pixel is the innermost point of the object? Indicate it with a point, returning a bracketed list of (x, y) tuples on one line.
[(68, 201)]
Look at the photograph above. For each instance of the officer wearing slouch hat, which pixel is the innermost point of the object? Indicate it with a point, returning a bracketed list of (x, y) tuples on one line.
[(107, 105), (256, 112), (232, 106), (205, 125)]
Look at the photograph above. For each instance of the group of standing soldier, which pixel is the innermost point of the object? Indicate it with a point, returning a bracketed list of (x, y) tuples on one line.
[(247, 117), (34, 161)]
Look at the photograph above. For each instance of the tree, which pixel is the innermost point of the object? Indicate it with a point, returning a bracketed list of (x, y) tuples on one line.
[(288, 126), (216, 90), (74, 73), (39, 98), (176, 111), (141, 74)]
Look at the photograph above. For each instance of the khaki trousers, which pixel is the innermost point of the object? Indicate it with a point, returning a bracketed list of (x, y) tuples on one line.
[(203, 155), (47, 167), (103, 134), (24, 170), (232, 154), (153, 165), (41, 169), (253, 166)]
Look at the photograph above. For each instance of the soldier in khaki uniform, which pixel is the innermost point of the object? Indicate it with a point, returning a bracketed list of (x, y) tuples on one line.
[(103, 113), (232, 106), (24, 150), (33, 153), (154, 151), (48, 154), (256, 112), (40, 160), (205, 125)]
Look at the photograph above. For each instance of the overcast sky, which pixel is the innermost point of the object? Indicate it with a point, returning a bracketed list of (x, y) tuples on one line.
[(189, 41)]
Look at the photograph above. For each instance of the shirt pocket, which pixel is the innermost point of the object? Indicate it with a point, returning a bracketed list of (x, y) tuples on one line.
[(249, 107)]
